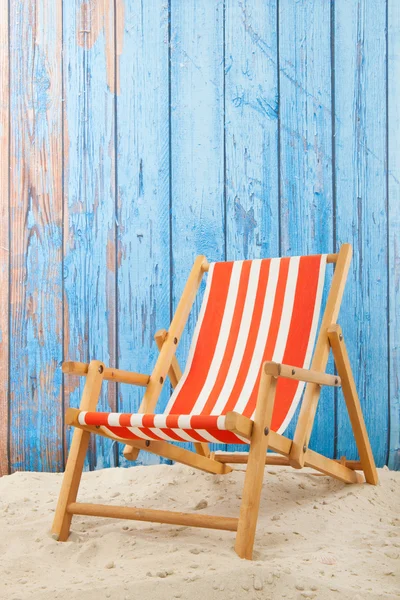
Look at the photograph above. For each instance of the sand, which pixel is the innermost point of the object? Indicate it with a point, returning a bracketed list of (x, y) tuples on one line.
[(316, 538)]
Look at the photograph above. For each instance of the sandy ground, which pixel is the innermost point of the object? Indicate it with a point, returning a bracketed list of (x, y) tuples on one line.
[(316, 538)]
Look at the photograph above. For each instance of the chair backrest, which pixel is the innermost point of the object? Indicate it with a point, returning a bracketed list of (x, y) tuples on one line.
[(252, 311)]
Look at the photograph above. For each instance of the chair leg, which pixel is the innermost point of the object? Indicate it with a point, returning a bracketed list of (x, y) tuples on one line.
[(77, 453), (255, 467), (352, 400)]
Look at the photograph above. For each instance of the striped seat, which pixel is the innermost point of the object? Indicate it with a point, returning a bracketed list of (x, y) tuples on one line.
[(252, 311)]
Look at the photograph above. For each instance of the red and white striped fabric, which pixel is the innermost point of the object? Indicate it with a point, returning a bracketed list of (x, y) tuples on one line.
[(252, 311)]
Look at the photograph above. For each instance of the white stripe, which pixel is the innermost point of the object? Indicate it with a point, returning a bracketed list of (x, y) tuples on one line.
[(222, 338), (245, 327), (193, 345), (184, 422), (310, 346), (136, 431), (221, 422), (160, 421), (82, 417), (207, 436), (262, 335), (113, 419), (136, 420)]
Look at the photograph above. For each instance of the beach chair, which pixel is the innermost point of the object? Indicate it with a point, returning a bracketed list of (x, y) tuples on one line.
[(251, 360)]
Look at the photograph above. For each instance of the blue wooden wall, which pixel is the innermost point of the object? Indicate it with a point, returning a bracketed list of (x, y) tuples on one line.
[(136, 135)]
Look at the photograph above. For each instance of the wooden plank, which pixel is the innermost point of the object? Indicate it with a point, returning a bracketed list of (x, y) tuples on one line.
[(143, 191), (4, 237), (393, 120), (35, 237), (154, 516), (251, 131), (197, 144), (361, 215), (251, 115), (306, 154), (353, 403), (89, 222)]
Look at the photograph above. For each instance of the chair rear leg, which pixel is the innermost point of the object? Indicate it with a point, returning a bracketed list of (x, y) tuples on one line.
[(77, 453), (255, 467)]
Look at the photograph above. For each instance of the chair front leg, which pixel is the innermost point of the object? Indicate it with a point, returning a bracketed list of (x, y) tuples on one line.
[(255, 466), (77, 453)]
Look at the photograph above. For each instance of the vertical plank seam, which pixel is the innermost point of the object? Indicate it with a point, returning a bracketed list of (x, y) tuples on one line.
[(9, 243), (170, 158), (334, 202), (62, 236), (224, 120), (278, 77), (116, 222), (388, 234), (225, 446)]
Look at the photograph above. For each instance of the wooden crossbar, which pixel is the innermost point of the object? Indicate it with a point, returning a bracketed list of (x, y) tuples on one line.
[(82, 369), (279, 461), (307, 375), (154, 516)]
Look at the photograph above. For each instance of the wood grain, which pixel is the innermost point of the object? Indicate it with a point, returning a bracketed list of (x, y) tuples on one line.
[(160, 131), (4, 236), (197, 144), (251, 129), (393, 166), (143, 195), (361, 219), (35, 237), (306, 155), (89, 224)]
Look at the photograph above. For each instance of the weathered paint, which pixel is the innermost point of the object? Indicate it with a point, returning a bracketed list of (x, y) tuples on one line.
[(393, 166), (361, 196), (89, 201), (197, 143), (305, 109), (251, 130), (164, 130), (143, 194), (4, 237), (35, 236)]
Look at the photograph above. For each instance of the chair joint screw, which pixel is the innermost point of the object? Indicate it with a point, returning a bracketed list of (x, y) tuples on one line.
[(147, 443), (175, 340), (336, 381), (293, 372), (340, 337), (266, 431), (304, 448), (161, 379), (97, 426), (100, 369)]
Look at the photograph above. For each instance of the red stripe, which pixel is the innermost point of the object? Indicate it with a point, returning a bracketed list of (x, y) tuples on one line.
[(232, 339), (207, 339), (254, 328), (273, 331), (298, 335)]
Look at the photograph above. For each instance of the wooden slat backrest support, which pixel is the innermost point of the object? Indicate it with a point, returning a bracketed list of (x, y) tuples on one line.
[(321, 354)]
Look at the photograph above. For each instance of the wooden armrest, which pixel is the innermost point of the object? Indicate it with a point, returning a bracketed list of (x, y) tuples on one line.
[(308, 375), (81, 369)]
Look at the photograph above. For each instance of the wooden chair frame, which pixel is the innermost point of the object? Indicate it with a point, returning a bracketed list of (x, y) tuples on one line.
[(293, 452)]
